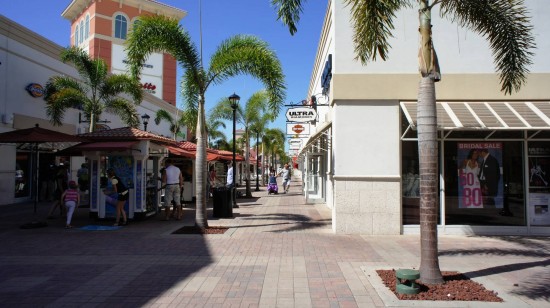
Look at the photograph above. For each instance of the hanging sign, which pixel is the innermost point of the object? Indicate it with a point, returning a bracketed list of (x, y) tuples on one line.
[(297, 129), (301, 114), (294, 147), (295, 141)]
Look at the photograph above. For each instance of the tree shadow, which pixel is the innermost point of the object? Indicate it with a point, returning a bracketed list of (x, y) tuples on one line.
[(299, 222), (534, 287)]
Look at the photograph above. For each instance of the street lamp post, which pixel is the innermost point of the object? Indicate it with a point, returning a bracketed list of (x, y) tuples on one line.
[(257, 163), (145, 119), (234, 100)]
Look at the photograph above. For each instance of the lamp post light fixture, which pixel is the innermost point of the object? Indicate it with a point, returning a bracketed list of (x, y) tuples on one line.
[(145, 119), (234, 100), (257, 163)]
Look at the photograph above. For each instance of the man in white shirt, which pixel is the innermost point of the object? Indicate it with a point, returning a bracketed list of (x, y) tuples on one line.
[(285, 172), (230, 182), (172, 180)]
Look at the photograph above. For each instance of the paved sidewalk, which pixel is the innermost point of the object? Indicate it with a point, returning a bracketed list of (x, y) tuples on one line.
[(278, 252)]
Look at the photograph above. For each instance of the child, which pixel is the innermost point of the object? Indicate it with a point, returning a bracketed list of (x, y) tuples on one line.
[(71, 198)]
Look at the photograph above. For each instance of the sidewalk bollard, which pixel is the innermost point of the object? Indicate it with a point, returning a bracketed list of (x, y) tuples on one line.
[(405, 283)]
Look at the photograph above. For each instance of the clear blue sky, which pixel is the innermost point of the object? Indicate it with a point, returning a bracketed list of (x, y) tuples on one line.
[(221, 19)]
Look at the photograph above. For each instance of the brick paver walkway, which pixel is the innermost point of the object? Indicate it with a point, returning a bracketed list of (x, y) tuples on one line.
[(278, 252)]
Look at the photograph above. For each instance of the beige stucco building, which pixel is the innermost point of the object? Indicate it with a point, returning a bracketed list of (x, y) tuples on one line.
[(361, 157)]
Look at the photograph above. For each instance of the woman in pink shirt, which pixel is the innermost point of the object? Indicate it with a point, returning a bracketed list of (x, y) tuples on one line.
[(71, 198)]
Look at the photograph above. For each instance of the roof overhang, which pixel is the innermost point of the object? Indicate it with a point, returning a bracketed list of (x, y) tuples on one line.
[(485, 115)]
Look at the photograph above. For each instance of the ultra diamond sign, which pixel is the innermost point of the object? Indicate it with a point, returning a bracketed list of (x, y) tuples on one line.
[(301, 114)]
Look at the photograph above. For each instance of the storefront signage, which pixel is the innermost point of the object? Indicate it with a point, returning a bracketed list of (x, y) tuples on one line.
[(149, 87), (327, 75), (295, 141), (301, 114), (297, 129), (35, 90), (480, 175), (294, 147)]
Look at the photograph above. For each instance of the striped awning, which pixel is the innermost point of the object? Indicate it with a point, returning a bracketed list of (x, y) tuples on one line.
[(486, 115)]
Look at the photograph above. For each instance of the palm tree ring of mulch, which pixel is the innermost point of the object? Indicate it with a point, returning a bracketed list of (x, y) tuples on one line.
[(457, 287), (198, 230)]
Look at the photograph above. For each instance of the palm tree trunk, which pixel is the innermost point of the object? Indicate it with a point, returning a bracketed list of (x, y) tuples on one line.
[(92, 123), (200, 168), (264, 160), (247, 163), (427, 153), (428, 156)]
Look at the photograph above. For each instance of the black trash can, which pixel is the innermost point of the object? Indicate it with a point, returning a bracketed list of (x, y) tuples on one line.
[(223, 207)]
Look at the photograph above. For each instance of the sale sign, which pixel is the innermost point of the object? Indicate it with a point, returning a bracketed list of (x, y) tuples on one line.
[(480, 175)]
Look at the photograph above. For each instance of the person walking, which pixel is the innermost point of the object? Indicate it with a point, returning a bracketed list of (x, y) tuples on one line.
[(285, 172), (83, 177), (71, 198), (230, 183), (61, 184), (122, 196), (172, 180)]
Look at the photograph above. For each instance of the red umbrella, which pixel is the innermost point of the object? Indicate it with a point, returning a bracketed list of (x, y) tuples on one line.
[(35, 137)]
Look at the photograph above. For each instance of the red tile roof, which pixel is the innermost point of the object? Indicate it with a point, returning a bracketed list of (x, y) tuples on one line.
[(126, 134)]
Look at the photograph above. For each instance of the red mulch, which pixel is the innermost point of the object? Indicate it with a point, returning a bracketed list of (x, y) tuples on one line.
[(456, 287), (197, 230)]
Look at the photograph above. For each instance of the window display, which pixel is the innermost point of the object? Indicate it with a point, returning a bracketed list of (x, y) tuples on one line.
[(539, 182), (480, 186)]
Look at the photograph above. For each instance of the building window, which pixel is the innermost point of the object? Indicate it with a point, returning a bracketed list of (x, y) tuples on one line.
[(81, 31), (87, 29), (481, 187), (76, 37), (121, 27)]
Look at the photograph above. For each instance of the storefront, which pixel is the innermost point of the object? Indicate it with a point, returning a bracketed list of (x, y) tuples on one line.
[(315, 159), (494, 167)]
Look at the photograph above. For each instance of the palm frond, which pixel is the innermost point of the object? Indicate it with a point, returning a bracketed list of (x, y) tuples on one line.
[(190, 91), (157, 34), (125, 110), (116, 84), (506, 25), (373, 23), (288, 11), (163, 115), (245, 54)]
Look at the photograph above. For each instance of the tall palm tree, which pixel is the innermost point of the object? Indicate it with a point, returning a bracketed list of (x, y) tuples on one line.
[(504, 23), (255, 109), (97, 92), (274, 141), (235, 56), (258, 128)]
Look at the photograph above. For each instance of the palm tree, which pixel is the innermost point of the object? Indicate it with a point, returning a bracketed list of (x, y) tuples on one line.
[(99, 91), (255, 109), (235, 56), (259, 127), (506, 26), (175, 124), (213, 132), (274, 141)]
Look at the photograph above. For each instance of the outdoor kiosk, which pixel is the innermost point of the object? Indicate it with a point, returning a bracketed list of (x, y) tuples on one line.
[(136, 166)]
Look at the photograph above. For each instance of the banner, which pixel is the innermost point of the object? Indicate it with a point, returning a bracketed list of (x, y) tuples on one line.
[(480, 175)]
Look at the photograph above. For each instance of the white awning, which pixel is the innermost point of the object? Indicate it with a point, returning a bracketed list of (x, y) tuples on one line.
[(486, 115), (321, 130)]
